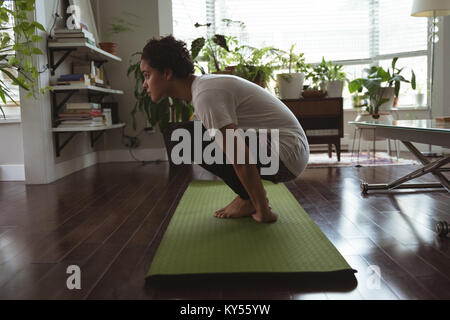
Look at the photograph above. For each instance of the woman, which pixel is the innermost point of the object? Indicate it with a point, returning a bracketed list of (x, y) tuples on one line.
[(228, 103)]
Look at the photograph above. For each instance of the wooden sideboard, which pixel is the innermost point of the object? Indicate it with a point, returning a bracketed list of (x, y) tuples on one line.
[(322, 119)]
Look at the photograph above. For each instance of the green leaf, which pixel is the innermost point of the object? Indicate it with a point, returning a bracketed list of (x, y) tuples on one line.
[(36, 51), (36, 38), (221, 41), (413, 80), (2, 95), (38, 25), (197, 46), (355, 85), (394, 61)]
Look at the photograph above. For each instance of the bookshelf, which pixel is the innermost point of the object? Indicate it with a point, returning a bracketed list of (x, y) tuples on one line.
[(92, 88), (80, 50), (86, 52)]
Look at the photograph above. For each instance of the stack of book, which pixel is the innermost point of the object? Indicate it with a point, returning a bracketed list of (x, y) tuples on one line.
[(74, 36), (74, 79), (89, 68), (84, 114)]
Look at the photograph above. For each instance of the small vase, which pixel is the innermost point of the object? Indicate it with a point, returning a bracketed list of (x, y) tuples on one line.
[(420, 98)]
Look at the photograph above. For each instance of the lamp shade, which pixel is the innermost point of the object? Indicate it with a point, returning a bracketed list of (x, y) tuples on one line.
[(425, 8)]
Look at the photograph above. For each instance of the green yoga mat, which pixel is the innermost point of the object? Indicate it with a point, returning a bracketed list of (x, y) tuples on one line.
[(196, 242)]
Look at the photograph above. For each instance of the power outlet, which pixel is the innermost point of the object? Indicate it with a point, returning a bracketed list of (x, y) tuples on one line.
[(131, 142), (149, 129)]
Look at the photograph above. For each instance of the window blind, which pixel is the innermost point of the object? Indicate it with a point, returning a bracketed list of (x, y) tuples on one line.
[(185, 14), (355, 33), (398, 31)]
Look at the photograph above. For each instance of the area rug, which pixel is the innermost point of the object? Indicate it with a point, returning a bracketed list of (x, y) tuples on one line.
[(321, 160), (198, 243)]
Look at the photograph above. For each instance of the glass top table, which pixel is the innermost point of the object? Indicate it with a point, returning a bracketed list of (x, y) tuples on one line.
[(423, 124), (408, 131)]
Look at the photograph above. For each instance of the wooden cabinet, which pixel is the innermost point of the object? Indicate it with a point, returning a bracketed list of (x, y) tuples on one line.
[(322, 119)]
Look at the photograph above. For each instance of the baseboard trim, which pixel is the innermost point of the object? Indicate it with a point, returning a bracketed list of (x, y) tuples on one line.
[(123, 155), (12, 172)]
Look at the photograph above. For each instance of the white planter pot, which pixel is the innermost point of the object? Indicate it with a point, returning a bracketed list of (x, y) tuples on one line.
[(387, 93), (334, 88), (290, 85), (420, 99), (368, 134)]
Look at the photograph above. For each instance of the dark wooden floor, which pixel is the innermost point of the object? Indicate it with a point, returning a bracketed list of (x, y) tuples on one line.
[(109, 219)]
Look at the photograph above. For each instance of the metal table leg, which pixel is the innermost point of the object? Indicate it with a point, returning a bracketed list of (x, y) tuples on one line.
[(429, 167)]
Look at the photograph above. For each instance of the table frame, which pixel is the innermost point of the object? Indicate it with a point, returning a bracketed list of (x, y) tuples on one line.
[(407, 135)]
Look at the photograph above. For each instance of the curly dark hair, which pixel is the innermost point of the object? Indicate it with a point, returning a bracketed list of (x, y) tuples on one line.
[(167, 52)]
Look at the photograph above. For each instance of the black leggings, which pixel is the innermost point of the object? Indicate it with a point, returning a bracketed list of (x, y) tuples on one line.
[(225, 171)]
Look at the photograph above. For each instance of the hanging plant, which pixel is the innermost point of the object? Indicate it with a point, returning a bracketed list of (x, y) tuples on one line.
[(16, 54)]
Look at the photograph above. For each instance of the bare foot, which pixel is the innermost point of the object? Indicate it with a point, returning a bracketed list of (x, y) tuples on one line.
[(237, 208), (266, 217)]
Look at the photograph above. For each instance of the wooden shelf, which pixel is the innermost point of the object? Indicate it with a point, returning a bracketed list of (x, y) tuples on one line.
[(84, 49), (88, 128), (83, 87), (88, 52), (95, 132)]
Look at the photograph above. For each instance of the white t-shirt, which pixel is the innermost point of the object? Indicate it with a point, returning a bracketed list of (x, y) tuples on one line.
[(220, 100)]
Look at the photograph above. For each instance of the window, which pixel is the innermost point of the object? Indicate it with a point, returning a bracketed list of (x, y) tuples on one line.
[(14, 89), (355, 33)]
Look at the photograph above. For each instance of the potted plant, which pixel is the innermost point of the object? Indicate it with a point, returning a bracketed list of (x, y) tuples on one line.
[(335, 80), (373, 97), (18, 67), (119, 25), (290, 84), (318, 75), (161, 113), (396, 80), (256, 65), (372, 83), (218, 51)]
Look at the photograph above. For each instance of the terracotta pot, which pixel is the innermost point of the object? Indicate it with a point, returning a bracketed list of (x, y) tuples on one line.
[(395, 102), (313, 94), (230, 68), (108, 47)]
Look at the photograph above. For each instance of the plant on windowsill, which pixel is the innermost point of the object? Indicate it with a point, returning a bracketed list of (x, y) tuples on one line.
[(384, 85), (396, 80), (290, 84), (372, 84), (16, 56)]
